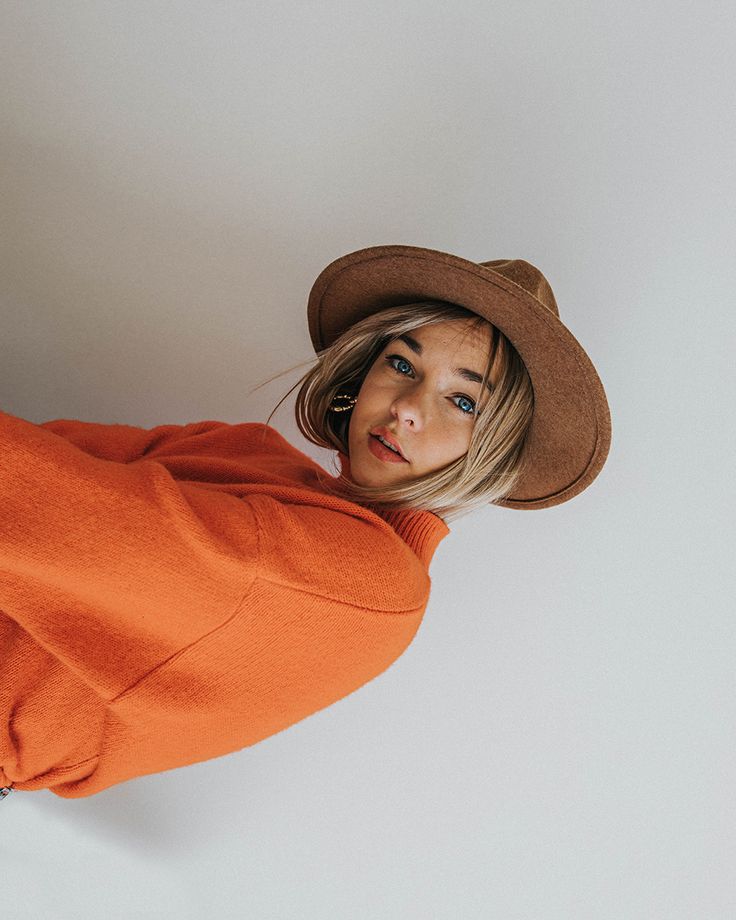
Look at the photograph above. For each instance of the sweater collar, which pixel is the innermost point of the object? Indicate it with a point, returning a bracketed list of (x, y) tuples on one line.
[(421, 530)]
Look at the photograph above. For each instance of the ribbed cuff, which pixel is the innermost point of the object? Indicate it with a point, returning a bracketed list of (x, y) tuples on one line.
[(422, 531)]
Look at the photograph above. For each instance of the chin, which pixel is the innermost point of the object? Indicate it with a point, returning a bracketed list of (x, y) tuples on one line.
[(359, 478), (360, 475)]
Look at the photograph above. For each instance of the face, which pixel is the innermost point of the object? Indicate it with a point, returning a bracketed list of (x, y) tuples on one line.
[(419, 400)]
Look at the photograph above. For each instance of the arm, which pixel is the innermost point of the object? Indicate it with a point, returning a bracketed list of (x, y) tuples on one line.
[(113, 567), (122, 443), (294, 646)]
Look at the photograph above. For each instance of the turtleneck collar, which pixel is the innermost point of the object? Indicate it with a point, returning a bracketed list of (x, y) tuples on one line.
[(421, 530)]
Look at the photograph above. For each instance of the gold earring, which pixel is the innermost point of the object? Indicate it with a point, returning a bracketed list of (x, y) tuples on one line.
[(349, 402)]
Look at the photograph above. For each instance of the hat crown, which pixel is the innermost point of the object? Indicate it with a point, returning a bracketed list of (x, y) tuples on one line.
[(528, 277)]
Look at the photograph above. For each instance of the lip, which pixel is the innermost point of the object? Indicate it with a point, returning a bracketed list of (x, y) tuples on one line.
[(383, 453), (387, 436)]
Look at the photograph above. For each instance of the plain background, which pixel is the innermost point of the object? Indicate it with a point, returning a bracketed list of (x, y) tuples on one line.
[(558, 741)]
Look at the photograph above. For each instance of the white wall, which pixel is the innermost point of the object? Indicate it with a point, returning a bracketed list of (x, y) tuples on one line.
[(557, 743)]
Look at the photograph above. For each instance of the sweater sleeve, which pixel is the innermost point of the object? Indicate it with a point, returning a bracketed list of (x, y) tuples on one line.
[(122, 443), (114, 567), (314, 627)]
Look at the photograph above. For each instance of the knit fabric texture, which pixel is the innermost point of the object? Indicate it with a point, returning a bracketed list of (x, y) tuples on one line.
[(174, 594)]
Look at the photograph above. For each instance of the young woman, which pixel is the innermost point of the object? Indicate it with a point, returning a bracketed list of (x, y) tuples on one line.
[(174, 594)]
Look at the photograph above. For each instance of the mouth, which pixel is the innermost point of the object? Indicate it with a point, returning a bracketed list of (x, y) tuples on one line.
[(382, 452)]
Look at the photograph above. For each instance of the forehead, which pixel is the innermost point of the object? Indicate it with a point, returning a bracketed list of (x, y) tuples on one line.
[(459, 344), (456, 335)]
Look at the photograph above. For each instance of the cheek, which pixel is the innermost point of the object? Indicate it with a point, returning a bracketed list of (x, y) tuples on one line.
[(370, 395), (450, 442), (452, 433)]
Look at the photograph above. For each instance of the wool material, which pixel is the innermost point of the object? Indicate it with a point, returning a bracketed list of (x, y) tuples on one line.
[(175, 594)]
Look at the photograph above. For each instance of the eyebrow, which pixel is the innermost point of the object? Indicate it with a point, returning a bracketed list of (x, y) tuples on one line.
[(416, 347)]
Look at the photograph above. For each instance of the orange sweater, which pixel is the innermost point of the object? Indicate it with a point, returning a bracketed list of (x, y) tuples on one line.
[(175, 594)]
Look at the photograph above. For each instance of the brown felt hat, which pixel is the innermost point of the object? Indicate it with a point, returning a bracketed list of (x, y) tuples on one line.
[(571, 428)]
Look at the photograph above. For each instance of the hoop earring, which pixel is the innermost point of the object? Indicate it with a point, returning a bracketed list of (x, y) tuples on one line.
[(348, 402)]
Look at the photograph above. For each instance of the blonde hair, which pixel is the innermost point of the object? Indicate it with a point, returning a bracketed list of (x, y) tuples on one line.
[(495, 459)]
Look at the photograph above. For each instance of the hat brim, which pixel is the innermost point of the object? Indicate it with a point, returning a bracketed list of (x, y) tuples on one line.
[(570, 431)]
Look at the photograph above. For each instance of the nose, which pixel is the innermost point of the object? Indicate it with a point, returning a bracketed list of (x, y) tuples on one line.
[(408, 409)]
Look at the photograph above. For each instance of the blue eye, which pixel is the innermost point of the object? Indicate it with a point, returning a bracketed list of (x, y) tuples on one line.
[(391, 358), (398, 358)]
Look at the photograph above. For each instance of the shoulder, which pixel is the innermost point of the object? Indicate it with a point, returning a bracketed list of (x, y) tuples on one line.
[(340, 550)]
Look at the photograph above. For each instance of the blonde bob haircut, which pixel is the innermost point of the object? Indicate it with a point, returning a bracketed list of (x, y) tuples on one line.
[(495, 459)]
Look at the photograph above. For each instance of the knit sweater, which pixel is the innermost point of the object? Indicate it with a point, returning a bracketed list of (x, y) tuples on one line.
[(175, 594)]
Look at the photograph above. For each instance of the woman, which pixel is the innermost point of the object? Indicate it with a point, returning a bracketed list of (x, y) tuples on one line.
[(175, 594)]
